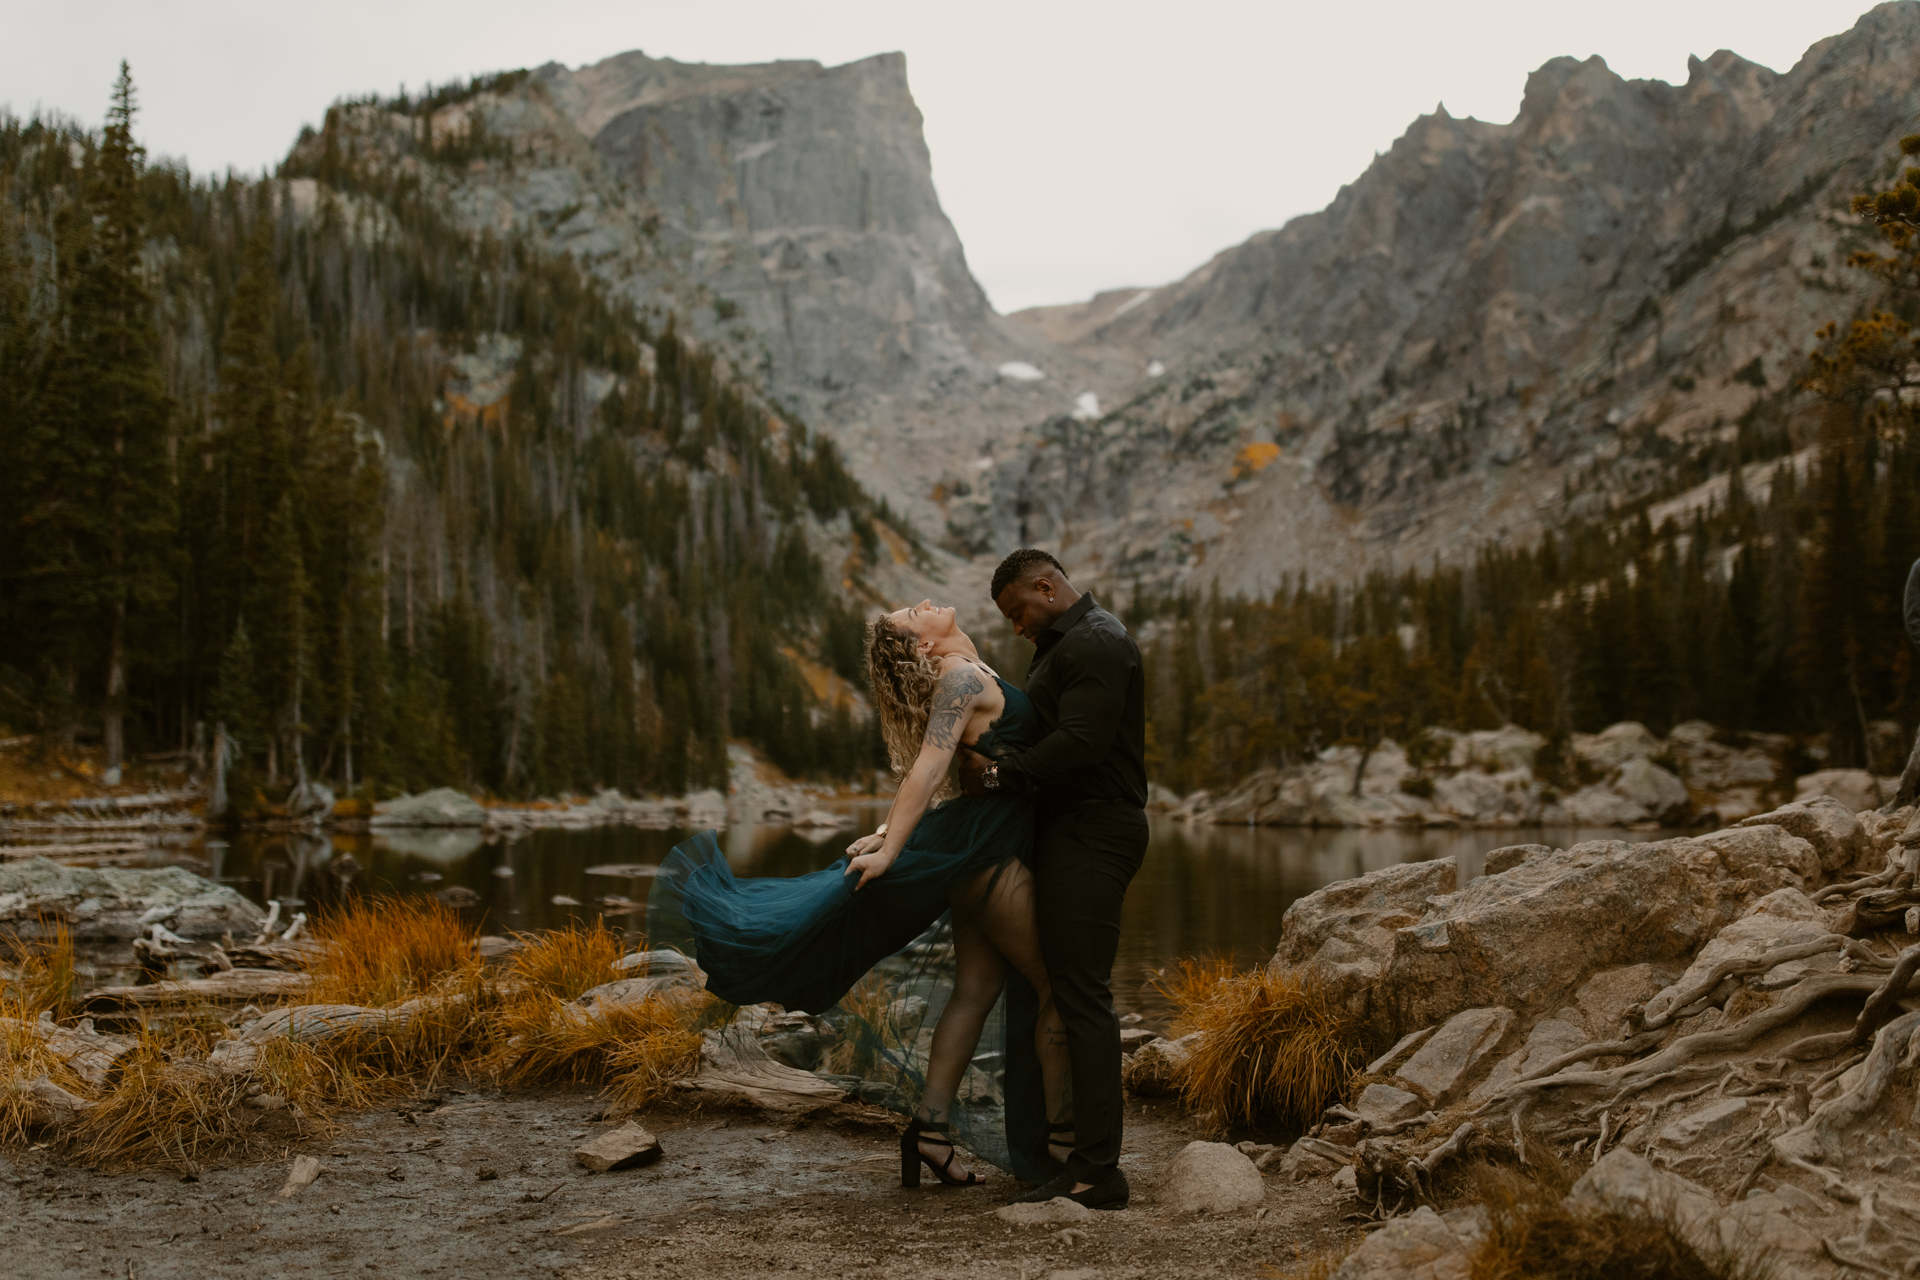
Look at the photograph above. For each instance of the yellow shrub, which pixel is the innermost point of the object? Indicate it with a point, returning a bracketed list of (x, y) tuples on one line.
[(1272, 1047), (567, 962)]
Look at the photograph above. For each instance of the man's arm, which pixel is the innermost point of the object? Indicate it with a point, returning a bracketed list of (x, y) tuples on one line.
[(1093, 697)]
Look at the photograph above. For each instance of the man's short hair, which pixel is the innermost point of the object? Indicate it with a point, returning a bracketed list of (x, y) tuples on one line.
[(1021, 565)]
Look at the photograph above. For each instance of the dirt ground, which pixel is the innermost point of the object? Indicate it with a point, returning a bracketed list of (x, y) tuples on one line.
[(483, 1184)]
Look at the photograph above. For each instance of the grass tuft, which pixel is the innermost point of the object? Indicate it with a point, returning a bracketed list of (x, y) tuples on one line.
[(1272, 1049), (568, 962), (1534, 1232), (38, 975), (382, 951)]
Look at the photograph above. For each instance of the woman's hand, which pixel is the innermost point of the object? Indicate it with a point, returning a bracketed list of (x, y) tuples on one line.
[(871, 866), (865, 844)]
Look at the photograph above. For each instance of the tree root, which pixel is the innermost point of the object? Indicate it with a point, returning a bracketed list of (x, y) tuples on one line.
[(1877, 880), (1833, 1251), (1819, 1136), (1599, 1049), (1739, 967), (1799, 998)]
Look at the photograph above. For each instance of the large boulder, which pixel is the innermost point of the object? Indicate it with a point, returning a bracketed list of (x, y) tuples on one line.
[(118, 903), (1662, 795), (1829, 826), (441, 807), (1616, 744), (1784, 918), (1602, 806), (1857, 789), (1402, 949), (1345, 931)]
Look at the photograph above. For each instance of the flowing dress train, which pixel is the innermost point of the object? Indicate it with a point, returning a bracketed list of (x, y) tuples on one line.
[(809, 943)]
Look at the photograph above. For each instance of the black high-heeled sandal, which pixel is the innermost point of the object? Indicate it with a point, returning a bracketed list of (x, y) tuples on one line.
[(911, 1156), (1053, 1133)]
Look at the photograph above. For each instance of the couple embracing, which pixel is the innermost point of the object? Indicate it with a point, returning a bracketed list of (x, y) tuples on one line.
[(1031, 861)]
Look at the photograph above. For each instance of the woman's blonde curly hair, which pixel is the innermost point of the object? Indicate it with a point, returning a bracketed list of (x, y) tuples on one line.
[(903, 678)]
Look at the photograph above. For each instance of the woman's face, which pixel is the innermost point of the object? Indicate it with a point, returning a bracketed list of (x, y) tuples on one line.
[(926, 621)]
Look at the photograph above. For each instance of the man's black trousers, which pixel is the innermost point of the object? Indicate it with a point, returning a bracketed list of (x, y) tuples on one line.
[(1085, 859)]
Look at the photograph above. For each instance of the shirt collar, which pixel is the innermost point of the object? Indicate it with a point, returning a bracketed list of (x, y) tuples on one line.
[(1081, 607)]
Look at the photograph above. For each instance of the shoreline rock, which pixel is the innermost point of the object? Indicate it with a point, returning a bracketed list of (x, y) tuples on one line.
[(1627, 778)]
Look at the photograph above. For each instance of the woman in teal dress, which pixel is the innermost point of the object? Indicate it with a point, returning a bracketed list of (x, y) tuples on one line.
[(805, 942)]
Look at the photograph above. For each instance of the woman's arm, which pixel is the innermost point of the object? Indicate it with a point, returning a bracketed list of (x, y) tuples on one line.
[(953, 701)]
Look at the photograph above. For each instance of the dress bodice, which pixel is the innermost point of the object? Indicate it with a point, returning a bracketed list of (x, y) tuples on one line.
[(1017, 728)]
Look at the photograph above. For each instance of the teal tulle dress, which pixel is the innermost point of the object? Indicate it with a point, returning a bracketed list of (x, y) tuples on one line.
[(808, 941)]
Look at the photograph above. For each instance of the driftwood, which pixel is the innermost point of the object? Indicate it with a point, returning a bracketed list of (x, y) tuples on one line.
[(231, 986), (49, 1107), (89, 1055), (732, 1062)]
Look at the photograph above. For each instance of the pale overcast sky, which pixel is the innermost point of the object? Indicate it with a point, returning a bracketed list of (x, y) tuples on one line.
[(1076, 145)]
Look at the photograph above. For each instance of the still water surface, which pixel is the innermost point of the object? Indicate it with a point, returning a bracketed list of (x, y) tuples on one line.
[(1202, 890)]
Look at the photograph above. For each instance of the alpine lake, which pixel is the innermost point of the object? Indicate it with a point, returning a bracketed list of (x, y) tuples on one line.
[(1202, 891)]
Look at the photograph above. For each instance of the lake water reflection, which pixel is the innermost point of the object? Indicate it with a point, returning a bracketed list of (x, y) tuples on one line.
[(1203, 890)]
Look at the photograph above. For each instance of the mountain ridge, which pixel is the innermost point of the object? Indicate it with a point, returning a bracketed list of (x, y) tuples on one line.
[(1494, 326)]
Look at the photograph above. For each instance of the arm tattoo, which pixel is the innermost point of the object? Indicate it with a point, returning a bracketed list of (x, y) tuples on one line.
[(951, 697)]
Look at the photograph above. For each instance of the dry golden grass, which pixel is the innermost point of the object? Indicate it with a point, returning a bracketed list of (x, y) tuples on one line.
[(412, 958), (568, 962), (539, 1036), (38, 974), (1272, 1047), (1535, 1233), (858, 1053), (1318, 1266), (385, 950)]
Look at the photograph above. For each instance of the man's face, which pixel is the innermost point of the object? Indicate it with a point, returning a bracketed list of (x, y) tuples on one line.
[(1031, 606)]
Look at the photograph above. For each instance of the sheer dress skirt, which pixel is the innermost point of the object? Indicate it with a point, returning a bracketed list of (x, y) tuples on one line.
[(809, 943)]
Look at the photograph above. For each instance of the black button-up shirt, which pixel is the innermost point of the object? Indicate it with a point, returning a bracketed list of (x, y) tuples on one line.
[(1089, 688)]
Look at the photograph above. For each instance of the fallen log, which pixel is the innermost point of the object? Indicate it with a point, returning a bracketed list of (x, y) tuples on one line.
[(228, 987), (92, 1057)]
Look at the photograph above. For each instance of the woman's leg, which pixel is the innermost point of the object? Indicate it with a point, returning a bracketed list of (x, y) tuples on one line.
[(1000, 901), (979, 975)]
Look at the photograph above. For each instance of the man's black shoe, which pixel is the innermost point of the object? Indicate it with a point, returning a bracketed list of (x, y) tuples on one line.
[(1111, 1192)]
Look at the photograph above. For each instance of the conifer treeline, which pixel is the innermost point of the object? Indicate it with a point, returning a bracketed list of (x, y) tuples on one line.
[(246, 487), (1775, 611)]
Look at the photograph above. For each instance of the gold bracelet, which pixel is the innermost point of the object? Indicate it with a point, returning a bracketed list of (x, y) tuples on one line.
[(880, 830)]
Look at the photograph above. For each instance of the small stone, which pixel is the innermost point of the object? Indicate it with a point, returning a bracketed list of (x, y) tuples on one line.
[(1057, 1210), (1347, 1179), (305, 1170), (1449, 1058), (1071, 1237), (1134, 1037), (267, 1102), (620, 1148), (1708, 1122), (1382, 1104), (488, 1175), (1213, 1177)]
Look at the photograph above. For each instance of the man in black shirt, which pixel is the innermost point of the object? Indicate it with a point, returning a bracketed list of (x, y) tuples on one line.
[(1090, 777)]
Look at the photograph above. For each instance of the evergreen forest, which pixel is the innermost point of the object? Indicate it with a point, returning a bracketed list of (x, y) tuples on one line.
[(353, 494), (347, 491), (1773, 606)]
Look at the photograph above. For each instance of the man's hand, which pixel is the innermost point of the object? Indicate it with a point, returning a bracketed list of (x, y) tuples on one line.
[(972, 766)]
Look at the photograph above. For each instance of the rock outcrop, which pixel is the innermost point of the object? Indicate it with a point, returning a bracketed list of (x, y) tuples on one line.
[(1623, 776), (116, 904), (1405, 947), (1490, 318)]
